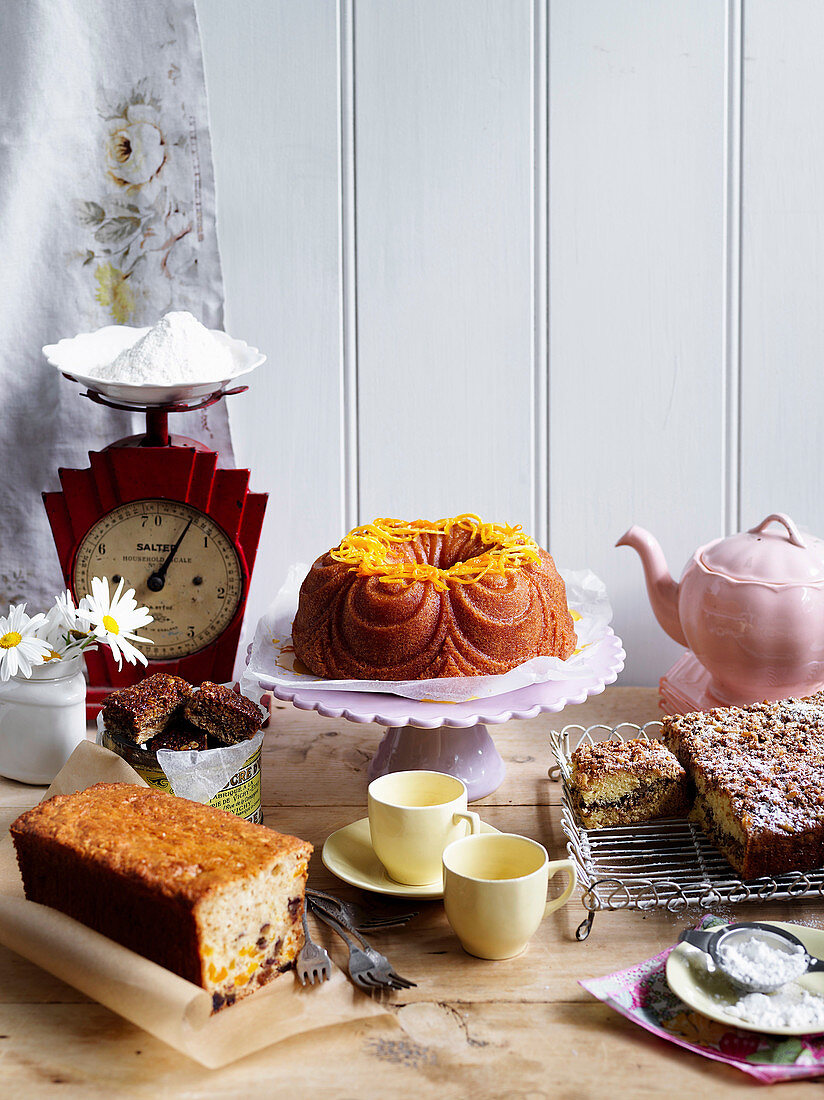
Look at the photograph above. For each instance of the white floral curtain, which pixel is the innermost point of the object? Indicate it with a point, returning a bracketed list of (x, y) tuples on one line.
[(107, 216)]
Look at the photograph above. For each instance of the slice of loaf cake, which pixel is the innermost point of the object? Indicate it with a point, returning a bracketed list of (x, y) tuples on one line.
[(759, 778), (624, 782), (205, 894)]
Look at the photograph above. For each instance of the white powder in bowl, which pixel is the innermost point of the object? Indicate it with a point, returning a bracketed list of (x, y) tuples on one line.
[(762, 961), (757, 959), (791, 1007), (178, 349)]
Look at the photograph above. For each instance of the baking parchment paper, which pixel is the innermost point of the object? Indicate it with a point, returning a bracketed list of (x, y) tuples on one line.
[(272, 659), (169, 1007)]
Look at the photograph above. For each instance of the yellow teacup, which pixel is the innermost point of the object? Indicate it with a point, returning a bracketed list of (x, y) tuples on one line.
[(412, 817), (495, 888)]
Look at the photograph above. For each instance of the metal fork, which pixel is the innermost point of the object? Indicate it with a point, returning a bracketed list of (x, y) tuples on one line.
[(356, 916), (368, 968), (378, 960), (313, 960)]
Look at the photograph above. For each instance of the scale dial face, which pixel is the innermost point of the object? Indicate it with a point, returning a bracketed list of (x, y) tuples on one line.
[(203, 583)]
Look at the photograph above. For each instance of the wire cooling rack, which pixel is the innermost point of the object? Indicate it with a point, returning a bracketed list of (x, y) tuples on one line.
[(667, 864)]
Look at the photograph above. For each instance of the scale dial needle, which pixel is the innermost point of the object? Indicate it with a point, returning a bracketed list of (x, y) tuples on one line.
[(157, 579)]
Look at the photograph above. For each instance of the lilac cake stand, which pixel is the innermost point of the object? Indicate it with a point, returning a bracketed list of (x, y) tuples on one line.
[(452, 737)]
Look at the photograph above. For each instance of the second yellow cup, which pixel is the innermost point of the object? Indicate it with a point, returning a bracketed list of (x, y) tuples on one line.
[(412, 817), (495, 891)]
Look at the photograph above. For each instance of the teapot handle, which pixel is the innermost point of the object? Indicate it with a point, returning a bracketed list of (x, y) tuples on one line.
[(781, 517)]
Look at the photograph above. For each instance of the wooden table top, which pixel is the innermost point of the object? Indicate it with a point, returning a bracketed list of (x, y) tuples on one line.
[(522, 1028)]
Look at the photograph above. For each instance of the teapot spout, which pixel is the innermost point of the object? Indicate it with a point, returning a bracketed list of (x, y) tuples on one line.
[(661, 588)]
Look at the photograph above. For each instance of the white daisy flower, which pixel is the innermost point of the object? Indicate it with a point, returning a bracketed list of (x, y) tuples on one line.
[(20, 648), (65, 613), (63, 630), (114, 619), (60, 619)]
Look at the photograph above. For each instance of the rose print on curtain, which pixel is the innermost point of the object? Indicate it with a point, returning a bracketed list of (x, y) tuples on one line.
[(139, 224)]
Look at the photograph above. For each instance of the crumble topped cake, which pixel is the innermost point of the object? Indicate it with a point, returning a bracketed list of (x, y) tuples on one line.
[(625, 782), (759, 778)]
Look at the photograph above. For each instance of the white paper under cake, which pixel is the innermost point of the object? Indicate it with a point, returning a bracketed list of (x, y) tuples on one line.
[(272, 658)]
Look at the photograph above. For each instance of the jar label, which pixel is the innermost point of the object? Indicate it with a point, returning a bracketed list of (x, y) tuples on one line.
[(240, 796)]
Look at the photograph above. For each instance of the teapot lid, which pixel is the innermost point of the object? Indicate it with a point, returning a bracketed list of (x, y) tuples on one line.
[(772, 557)]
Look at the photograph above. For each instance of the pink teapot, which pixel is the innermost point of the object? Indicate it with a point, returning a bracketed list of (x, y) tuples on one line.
[(750, 607)]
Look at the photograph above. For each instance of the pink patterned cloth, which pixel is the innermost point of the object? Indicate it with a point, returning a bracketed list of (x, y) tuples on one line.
[(643, 996)]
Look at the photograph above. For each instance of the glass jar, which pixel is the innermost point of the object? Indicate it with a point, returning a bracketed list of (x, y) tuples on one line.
[(42, 719)]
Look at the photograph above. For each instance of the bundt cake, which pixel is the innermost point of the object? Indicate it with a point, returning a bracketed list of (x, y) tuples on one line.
[(413, 601)]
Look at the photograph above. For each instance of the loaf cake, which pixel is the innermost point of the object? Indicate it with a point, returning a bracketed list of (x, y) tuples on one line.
[(222, 713), (411, 601), (140, 712), (759, 778), (205, 894), (625, 782)]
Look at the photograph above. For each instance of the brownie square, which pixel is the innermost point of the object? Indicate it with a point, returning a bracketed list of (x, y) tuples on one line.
[(223, 713), (140, 712), (179, 736)]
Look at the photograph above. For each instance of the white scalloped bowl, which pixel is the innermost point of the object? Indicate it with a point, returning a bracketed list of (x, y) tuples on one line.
[(75, 356)]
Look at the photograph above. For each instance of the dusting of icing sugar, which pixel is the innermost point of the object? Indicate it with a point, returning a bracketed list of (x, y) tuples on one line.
[(768, 759), (178, 349), (791, 1007), (759, 961), (799, 710)]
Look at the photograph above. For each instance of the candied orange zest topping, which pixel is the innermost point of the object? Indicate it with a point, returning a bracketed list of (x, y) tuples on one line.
[(367, 551)]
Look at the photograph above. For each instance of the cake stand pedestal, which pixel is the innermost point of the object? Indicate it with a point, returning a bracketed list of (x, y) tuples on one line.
[(469, 753), (452, 737)]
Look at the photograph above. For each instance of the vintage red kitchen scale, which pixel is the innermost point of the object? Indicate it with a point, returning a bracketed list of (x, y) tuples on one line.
[(156, 510)]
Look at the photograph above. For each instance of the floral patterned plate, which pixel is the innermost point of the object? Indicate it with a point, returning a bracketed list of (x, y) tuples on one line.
[(712, 998), (76, 356)]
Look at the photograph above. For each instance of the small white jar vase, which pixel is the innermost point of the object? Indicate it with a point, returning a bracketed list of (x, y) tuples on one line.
[(42, 719)]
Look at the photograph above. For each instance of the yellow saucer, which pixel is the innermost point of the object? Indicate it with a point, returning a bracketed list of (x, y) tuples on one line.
[(348, 854), (712, 998)]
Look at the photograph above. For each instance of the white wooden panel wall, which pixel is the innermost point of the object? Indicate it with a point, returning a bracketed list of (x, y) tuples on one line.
[(443, 101), (637, 277), (555, 261), (782, 297), (272, 77)]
